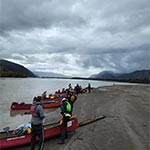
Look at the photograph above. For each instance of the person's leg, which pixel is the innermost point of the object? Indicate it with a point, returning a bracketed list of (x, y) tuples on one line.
[(41, 137), (64, 133), (63, 130), (33, 137)]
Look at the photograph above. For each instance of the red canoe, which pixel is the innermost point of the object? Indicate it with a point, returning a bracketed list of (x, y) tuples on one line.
[(9, 140), (23, 106)]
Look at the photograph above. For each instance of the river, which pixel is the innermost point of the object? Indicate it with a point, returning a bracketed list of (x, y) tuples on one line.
[(24, 89)]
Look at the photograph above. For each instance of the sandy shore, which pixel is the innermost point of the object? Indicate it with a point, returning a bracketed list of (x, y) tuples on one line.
[(126, 126)]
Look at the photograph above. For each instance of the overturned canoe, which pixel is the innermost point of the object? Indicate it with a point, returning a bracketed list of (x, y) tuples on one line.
[(9, 139), (24, 106)]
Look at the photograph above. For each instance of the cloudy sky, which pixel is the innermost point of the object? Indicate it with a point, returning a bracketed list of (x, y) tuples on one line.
[(76, 37)]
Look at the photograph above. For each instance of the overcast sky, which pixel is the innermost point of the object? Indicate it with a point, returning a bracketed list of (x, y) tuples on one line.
[(76, 37)]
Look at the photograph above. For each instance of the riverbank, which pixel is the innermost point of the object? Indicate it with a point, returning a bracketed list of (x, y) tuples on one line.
[(126, 126)]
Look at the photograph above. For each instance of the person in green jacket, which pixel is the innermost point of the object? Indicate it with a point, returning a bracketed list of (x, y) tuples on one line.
[(66, 115)]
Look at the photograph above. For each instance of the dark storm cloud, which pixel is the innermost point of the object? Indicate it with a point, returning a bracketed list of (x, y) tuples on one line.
[(120, 60), (79, 37), (26, 15)]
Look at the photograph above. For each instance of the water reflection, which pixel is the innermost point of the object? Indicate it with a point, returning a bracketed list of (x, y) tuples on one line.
[(14, 113)]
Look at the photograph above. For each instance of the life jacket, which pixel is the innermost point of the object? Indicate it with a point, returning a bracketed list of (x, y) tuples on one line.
[(68, 110), (33, 111), (68, 107)]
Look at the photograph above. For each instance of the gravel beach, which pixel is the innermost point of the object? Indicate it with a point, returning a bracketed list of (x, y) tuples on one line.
[(126, 126)]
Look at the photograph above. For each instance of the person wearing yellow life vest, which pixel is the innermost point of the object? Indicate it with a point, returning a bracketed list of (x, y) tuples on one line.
[(66, 115), (37, 130)]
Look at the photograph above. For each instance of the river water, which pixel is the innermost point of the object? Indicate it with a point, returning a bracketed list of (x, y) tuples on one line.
[(24, 89)]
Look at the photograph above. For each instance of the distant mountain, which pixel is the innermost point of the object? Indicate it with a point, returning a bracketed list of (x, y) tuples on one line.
[(139, 76), (10, 69), (49, 75), (104, 75)]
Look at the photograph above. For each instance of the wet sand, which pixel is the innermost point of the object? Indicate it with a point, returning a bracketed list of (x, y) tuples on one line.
[(126, 126)]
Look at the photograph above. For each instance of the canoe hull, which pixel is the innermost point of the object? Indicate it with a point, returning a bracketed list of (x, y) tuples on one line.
[(26, 139), (22, 106)]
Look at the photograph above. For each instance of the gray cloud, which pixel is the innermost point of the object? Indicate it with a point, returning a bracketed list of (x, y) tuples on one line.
[(27, 15), (76, 37)]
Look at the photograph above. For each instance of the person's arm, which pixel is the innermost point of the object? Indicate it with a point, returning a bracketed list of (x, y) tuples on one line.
[(41, 112)]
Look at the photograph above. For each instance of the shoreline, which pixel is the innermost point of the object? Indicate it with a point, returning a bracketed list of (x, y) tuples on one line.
[(126, 126)]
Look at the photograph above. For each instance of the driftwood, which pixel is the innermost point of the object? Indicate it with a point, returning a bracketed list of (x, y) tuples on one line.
[(91, 120)]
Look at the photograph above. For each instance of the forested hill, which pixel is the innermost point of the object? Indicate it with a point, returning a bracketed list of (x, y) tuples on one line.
[(136, 76), (10, 69)]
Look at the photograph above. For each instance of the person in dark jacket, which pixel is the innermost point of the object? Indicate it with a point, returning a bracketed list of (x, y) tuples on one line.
[(89, 87), (77, 89), (71, 99), (37, 124), (66, 115)]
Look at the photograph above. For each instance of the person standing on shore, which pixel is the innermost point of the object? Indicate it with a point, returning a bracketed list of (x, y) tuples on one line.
[(37, 129), (77, 89), (43, 95), (89, 87), (65, 112), (71, 99)]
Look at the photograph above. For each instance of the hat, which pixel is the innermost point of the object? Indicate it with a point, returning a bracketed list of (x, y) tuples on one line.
[(64, 99)]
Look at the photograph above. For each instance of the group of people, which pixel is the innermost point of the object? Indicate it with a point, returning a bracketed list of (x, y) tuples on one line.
[(38, 116), (78, 88)]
